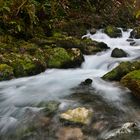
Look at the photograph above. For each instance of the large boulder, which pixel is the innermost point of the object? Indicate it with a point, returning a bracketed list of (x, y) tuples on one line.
[(124, 67), (132, 81), (113, 31), (118, 53), (62, 58), (6, 72), (135, 33)]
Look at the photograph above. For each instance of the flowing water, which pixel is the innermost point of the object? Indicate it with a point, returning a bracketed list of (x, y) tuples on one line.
[(113, 105)]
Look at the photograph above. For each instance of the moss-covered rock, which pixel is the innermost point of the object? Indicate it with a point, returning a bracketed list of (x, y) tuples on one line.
[(23, 64), (6, 72), (118, 53), (135, 33), (121, 70), (26, 47), (132, 81), (91, 47), (112, 31), (62, 58), (86, 45)]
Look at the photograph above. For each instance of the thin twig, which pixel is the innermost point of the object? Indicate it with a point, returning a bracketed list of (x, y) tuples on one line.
[(20, 7)]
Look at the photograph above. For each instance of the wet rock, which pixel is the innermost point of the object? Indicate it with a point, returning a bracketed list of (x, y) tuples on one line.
[(126, 128), (132, 43), (68, 133), (130, 40), (113, 31), (136, 42), (100, 125), (87, 82), (6, 72), (49, 108), (124, 67), (44, 121), (92, 47), (135, 33), (78, 115), (132, 81), (92, 31), (118, 53)]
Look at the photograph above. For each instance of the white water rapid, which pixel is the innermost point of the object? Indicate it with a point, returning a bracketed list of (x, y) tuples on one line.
[(18, 95)]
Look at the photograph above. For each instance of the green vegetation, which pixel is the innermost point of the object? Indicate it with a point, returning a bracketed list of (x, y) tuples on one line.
[(6, 72), (35, 35), (27, 18)]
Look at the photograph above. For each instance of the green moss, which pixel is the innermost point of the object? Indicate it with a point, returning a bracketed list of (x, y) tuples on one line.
[(28, 48), (7, 48), (24, 64), (121, 70), (132, 81), (113, 31), (23, 67), (49, 108), (6, 72), (134, 75), (57, 57)]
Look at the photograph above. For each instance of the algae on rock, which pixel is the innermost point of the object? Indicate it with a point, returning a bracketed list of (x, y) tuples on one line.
[(124, 67), (132, 81), (112, 31)]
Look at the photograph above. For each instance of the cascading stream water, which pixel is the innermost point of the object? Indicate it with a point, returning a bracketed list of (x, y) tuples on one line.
[(19, 95)]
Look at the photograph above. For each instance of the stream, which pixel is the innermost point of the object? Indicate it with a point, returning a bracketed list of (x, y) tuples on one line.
[(113, 105)]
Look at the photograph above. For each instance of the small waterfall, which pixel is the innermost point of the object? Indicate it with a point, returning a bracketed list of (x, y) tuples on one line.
[(18, 95)]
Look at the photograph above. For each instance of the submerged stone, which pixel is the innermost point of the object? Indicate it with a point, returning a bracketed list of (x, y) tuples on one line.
[(49, 108), (77, 115), (126, 128), (68, 133)]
